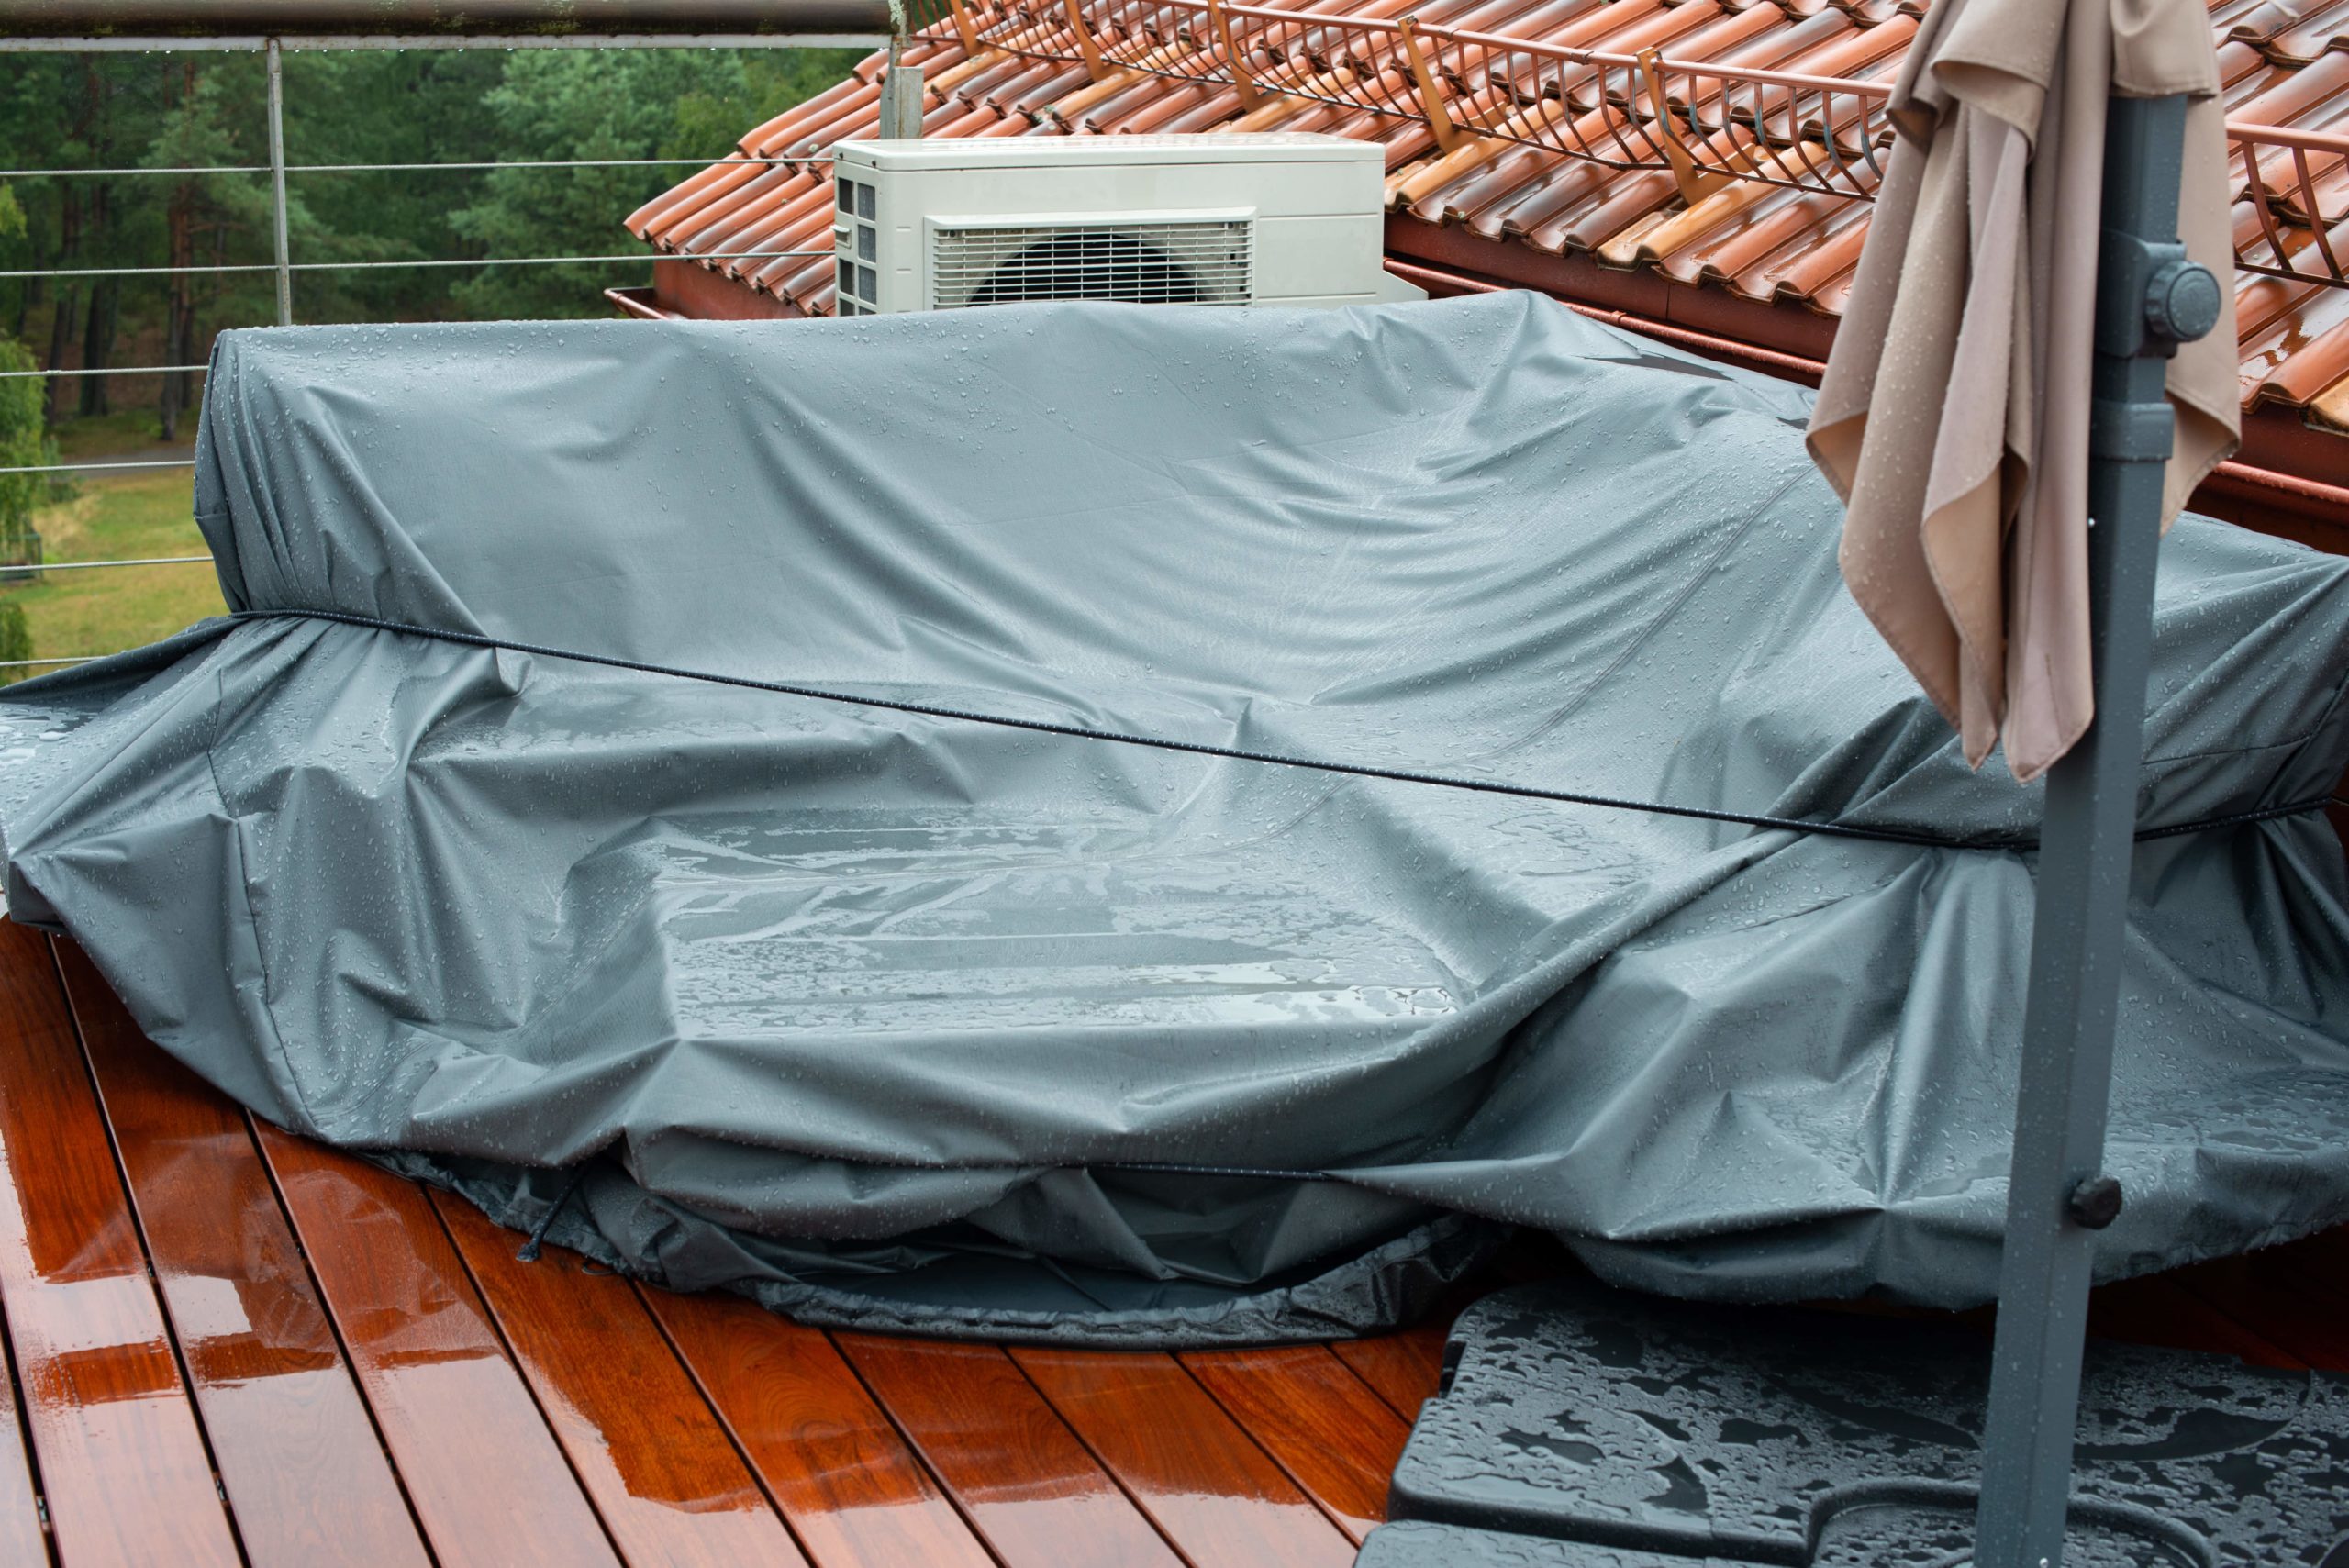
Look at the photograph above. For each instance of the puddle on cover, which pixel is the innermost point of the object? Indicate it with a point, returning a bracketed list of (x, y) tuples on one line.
[(927, 924)]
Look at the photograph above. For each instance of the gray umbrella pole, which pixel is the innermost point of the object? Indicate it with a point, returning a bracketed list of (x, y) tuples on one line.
[(2149, 297)]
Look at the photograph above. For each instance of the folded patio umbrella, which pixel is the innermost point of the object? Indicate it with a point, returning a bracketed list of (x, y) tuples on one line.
[(1953, 413)]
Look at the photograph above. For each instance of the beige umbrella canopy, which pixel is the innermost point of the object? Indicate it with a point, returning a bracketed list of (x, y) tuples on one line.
[(1953, 413)]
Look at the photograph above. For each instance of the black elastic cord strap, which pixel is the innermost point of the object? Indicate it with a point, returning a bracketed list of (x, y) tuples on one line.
[(536, 1244), (1271, 758)]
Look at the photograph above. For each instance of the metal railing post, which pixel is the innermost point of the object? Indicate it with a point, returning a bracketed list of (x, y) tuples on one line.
[(2149, 299), (268, 29), (900, 98), (277, 182)]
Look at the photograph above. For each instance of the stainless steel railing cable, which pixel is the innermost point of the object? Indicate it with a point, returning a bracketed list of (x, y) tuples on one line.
[(94, 173), (378, 266)]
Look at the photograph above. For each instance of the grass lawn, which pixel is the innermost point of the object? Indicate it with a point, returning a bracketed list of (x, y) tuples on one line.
[(125, 433), (135, 516)]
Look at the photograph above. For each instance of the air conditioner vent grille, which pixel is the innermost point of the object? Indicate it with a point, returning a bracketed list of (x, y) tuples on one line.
[(1176, 262)]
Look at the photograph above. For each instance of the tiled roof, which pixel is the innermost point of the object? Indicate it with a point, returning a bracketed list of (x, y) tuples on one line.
[(1760, 264)]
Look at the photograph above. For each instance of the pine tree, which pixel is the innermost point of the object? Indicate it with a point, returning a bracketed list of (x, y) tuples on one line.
[(22, 434)]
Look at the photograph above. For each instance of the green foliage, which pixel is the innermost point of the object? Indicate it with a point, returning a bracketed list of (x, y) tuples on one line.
[(566, 105), (421, 106), (199, 124), (128, 111), (375, 107), (23, 443), (15, 640), (133, 517), (174, 111)]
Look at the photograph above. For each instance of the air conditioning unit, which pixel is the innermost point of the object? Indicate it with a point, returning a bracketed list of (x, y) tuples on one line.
[(953, 223)]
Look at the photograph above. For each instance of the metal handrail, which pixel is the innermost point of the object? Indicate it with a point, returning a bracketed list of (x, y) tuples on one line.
[(294, 43), (596, 21)]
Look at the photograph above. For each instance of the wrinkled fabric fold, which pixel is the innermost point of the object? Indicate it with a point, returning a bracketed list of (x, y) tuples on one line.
[(877, 1016)]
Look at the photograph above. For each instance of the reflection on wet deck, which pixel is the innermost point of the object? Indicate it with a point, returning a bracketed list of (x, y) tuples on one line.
[(228, 1345)]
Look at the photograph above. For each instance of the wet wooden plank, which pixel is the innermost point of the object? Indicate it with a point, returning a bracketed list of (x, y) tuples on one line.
[(855, 1494), (2273, 1295), (1320, 1423), (114, 1430), (2158, 1310), (1027, 1483), (306, 1476), (658, 1465), (1207, 1485), (21, 1540), (1403, 1368), (2322, 1261), (488, 1481), (2317, 1327)]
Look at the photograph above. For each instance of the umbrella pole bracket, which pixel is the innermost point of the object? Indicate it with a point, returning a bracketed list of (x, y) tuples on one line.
[(2150, 297)]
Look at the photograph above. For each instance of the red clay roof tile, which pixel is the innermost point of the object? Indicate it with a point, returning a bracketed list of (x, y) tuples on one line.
[(2283, 62)]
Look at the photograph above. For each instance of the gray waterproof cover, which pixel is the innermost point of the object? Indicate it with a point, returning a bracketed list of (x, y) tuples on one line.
[(886, 1018)]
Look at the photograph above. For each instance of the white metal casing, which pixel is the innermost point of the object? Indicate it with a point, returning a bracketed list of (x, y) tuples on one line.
[(1268, 220)]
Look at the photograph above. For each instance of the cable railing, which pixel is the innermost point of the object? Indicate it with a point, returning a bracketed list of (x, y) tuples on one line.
[(279, 171), (199, 270), (105, 370), (93, 464), (1697, 127), (385, 168)]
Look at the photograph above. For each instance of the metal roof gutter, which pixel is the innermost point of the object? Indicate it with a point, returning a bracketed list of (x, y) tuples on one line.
[(2308, 510)]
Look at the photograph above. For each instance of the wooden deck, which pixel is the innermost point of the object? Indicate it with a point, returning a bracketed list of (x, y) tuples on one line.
[(228, 1345)]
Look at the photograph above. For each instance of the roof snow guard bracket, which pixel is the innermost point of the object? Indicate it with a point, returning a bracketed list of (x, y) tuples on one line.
[(1695, 184), (1243, 83), (1087, 46), (1423, 83), (1583, 1428)]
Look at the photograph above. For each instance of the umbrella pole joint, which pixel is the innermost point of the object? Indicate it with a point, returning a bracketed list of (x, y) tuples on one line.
[(2150, 298)]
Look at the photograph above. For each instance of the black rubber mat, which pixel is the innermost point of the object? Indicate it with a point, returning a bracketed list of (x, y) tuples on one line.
[(1578, 1428)]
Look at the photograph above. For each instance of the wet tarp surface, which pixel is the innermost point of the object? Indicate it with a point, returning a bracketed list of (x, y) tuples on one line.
[(884, 1017)]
